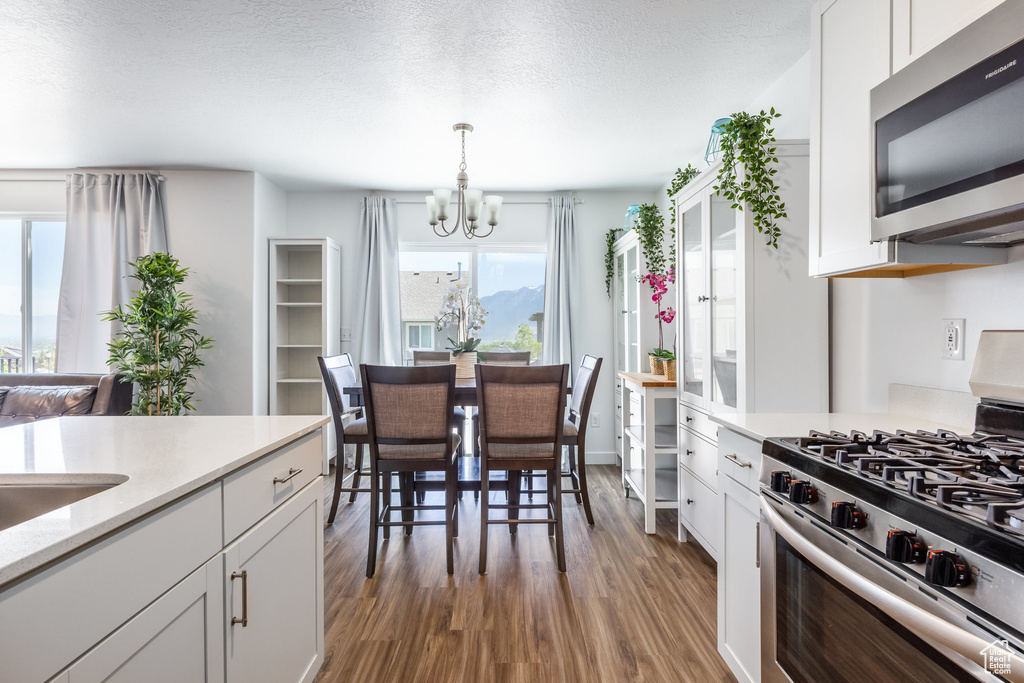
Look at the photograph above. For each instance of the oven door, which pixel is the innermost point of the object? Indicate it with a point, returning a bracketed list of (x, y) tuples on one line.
[(831, 612)]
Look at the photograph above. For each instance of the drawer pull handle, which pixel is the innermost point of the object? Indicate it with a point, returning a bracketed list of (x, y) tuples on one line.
[(689, 452), (732, 456), (689, 419), (689, 501), (244, 576), (292, 471)]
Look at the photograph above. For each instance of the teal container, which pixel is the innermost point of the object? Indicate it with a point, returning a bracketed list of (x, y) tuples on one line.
[(631, 214)]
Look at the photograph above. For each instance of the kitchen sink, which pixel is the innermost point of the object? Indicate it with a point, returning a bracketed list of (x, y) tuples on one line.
[(27, 496)]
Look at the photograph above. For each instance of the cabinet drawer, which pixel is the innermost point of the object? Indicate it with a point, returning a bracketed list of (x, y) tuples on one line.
[(699, 456), (635, 409), (740, 458), (698, 508), (251, 494), (698, 421), (618, 436)]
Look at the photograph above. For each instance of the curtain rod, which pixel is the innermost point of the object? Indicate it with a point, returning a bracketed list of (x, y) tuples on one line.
[(503, 203)]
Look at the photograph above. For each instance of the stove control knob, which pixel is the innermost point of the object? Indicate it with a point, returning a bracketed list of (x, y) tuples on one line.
[(943, 568), (801, 491), (845, 515), (903, 546), (779, 482)]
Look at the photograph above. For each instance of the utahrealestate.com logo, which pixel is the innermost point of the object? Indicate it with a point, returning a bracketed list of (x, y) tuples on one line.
[(998, 657)]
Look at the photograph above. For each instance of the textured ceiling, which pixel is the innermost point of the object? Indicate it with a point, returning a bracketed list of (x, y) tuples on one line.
[(582, 95)]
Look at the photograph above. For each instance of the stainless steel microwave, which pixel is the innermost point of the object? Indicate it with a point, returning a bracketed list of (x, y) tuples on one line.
[(948, 153)]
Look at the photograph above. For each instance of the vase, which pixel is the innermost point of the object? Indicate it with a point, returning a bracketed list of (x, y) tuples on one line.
[(656, 368), (669, 367), (464, 365)]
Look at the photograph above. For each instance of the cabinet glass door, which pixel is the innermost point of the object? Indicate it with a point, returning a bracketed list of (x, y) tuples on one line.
[(621, 314), (723, 301), (632, 303), (692, 298)]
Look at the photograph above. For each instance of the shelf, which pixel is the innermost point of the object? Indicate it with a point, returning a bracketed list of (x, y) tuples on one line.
[(666, 485), (298, 380), (300, 304), (299, 346), (300, 281), (665, 437)]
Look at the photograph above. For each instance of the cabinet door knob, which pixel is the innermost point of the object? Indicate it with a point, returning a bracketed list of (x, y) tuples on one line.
[(689, 452), (701, 299), (689, 501), (689, 419), (244, 576)]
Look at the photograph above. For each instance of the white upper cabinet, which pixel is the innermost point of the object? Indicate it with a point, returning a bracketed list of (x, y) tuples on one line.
[(920, 25), (751, 326), (854, 46)]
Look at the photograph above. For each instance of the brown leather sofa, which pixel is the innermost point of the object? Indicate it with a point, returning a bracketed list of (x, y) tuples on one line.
[(31, 397)]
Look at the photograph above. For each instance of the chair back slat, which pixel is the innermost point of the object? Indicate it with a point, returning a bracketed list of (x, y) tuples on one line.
[(338, 372), (420, 358), (514, 358), (409, 410), (583, 389)]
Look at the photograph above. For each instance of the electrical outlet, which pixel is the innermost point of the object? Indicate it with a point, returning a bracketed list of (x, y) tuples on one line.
[(346, 334), (953, 338), (595, 420)]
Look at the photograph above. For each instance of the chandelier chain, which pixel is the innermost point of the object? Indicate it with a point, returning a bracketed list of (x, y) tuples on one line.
[(462, 166)]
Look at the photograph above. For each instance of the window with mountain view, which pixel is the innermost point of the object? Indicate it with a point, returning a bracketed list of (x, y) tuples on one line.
[(28, 296), (510, 285)]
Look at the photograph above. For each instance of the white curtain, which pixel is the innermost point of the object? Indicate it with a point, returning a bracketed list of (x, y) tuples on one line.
[(112, 219), (561, 283), (379, 336)]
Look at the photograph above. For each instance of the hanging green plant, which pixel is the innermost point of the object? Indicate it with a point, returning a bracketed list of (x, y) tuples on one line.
[(650, 227), (159, 346), (682, 177), (747, 140), (609, 258)]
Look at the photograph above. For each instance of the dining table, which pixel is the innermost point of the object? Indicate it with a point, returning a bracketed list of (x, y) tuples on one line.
[(465, 392)]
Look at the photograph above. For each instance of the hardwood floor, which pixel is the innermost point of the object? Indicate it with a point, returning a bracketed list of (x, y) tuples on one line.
[(631, 607)]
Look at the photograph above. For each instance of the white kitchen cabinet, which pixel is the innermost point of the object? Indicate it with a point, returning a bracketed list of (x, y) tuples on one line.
[(273, 579), (305, 322), (920, 25), (180, 637), (739, 601), (650, 448), (851, 44)]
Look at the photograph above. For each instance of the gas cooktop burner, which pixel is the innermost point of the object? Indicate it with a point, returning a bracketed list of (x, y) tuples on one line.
[(979, 475)]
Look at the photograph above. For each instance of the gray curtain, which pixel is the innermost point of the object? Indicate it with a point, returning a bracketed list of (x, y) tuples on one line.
[(378, 339), (561, 290), (112, 219)]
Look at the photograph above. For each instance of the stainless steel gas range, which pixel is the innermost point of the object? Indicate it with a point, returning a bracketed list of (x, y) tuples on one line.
[(900, 556)]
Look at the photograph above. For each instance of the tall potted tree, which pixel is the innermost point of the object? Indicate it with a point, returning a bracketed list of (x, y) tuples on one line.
[(159, 346)]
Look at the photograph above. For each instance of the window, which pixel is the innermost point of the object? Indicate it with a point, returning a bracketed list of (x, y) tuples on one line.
[(30, 269), (419, 336), (508, 280)]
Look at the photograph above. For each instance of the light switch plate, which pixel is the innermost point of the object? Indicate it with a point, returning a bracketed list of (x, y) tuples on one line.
[(346, 334), (953, 338)]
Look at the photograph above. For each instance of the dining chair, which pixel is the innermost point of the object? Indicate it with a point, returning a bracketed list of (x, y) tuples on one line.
[(409, 420), (421, 358), (522, 415), (339, 372), (575, 430)]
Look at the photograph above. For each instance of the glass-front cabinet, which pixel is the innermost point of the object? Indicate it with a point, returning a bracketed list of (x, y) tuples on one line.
[(710, 279)]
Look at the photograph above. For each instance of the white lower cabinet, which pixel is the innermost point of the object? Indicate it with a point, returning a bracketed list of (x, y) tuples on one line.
[(180, 637), (273, 579), (739, 583)]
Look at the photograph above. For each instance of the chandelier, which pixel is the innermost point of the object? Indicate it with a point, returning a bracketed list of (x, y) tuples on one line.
[(468, 203)]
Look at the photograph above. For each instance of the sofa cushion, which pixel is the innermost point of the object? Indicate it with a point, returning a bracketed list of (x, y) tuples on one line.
[(30, 403), (3, 395)]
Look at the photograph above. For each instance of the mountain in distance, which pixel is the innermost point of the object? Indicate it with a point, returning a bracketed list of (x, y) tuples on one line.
[(508, 309)]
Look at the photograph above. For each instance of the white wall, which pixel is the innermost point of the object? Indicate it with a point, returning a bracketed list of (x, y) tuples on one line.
[(890, 330), (210, 219), (269, 220)]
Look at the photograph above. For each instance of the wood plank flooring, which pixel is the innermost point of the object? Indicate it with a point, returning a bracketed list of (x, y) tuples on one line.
[(631, 607)]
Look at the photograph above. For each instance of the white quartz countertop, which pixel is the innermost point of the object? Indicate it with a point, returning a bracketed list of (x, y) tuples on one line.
[(164, 458), (760, 426)]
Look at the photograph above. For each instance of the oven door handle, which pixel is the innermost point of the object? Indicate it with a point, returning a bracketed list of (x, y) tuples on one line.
[(917, 620)]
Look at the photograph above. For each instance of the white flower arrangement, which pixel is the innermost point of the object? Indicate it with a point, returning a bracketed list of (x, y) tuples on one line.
[(464, 311)]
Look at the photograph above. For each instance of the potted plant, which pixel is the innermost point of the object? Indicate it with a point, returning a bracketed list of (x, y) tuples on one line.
[(609, 259), (650, 227), (662, 359), (747, 140), (464, 312), (158, 348)]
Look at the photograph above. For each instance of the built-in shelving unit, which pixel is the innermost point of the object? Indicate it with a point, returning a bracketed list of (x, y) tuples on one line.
[(305, 322)]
